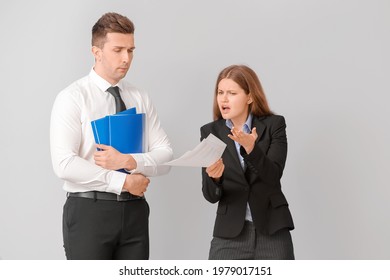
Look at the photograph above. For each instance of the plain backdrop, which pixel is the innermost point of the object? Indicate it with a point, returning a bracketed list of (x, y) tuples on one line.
[(324, 65)]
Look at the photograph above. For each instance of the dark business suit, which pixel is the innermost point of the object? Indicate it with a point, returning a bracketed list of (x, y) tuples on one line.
[(259, 185)]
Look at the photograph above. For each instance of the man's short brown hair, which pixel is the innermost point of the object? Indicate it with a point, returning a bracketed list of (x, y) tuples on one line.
[(110, 23)]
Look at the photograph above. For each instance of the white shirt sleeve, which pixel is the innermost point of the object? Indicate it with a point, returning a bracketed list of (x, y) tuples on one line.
[(158, 147), (66, 138)]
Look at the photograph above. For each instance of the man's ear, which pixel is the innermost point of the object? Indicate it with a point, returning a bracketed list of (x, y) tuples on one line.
[(97, 53)]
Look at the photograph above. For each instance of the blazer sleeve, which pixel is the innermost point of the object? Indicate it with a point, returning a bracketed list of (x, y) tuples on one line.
[(212, 191), (268, 164)]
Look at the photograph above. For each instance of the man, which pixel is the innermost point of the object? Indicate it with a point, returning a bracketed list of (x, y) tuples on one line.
[(106, 214)]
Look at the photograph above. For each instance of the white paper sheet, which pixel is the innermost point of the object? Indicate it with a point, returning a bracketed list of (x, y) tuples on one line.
[(204, 154)]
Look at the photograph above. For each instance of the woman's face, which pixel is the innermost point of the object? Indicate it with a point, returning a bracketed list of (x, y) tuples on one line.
[(233, 102)]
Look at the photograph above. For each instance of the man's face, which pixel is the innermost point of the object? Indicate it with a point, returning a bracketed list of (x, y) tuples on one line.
[(113, 60)]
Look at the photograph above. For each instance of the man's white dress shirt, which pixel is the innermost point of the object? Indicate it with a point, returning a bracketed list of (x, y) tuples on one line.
[(72, 143)]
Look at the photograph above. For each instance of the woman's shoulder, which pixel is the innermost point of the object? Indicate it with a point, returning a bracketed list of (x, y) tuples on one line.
[(271, 118), (213, 124)]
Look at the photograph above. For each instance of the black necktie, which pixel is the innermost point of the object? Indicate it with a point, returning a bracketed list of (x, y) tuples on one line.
[(119, 104)]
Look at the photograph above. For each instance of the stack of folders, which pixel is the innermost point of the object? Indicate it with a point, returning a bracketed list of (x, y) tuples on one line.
[(124, 131)]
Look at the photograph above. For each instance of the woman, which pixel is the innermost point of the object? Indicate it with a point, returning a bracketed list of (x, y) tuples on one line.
[(253, 219)]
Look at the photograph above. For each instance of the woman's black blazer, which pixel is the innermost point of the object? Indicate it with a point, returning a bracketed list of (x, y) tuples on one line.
[(259, 184)]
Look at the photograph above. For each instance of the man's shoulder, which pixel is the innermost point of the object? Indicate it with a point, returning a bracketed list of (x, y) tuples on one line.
[(78, 86)]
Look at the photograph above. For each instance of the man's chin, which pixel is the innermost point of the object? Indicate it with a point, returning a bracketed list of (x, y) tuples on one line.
[(120, 76)]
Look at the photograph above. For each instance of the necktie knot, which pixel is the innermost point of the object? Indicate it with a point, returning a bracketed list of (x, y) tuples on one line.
[(119, 104), (114, 91)]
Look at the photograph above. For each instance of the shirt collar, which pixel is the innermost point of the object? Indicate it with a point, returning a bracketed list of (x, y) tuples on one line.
[(247, 124), (102, 83)]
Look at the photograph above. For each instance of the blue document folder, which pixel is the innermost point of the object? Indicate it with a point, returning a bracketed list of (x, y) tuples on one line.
[(101, 131), (128, 111), (124, 131)]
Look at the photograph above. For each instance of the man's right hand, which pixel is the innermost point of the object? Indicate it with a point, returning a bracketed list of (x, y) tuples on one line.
[(136, 184)]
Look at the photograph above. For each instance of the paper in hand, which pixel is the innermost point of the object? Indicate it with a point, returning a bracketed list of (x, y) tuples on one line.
[(204, 154)]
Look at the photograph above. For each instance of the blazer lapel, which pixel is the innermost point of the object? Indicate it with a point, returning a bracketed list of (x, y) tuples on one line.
[(260, 127), (223, 131), (231, 147)]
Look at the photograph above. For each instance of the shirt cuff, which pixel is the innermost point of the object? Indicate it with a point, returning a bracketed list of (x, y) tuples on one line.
[(140, 164), (116, 183)]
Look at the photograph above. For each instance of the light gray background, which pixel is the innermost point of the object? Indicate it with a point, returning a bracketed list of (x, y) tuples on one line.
[(325, 66)]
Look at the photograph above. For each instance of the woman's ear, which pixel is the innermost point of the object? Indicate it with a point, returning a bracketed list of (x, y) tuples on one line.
[(250, 100)]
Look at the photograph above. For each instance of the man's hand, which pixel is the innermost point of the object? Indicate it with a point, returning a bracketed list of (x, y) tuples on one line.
[(247, 140), (215, 170), (112, 159), (136, 184)]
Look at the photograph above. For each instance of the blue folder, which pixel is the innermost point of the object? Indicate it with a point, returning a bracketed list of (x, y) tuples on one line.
[(128, 111), (124, 131), (101, 129)]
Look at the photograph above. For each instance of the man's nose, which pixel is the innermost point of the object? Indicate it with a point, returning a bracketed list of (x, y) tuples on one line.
[(126, 57)]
